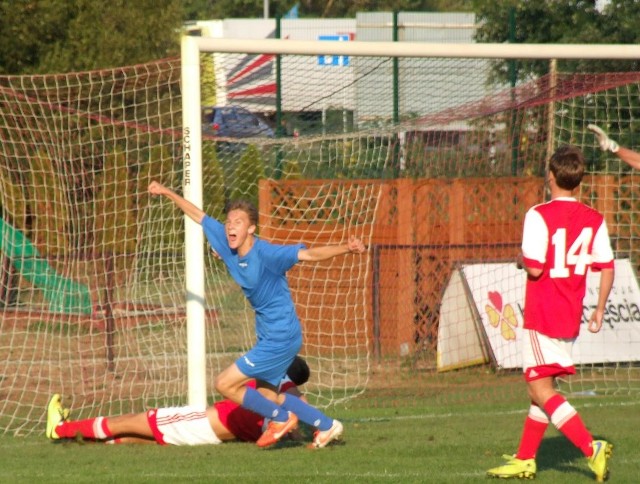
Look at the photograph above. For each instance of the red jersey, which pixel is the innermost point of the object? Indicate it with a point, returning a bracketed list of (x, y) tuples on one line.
[(243, 423), (564, 238)]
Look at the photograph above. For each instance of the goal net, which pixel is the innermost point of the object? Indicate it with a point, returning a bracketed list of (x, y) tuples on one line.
[(415, 153)]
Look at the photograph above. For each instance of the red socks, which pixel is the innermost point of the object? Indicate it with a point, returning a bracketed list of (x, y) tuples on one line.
[(564, 417), (93, 428), (566, 420), (534, 427)]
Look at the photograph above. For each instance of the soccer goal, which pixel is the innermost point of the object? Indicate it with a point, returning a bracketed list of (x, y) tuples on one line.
[(405, 145), (451, 163)]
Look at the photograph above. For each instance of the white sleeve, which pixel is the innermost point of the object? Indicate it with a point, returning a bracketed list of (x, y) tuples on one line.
[(602, 251), (535, 237)]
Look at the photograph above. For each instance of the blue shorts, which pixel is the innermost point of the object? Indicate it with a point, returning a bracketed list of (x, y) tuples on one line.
[(269, 362)]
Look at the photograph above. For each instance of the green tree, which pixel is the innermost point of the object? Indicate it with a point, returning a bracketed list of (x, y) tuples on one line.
[(163, 224), (115, 207), (117, 33), (45, 36), (29, 29), (291, 170), (249, 8), (73, 35), (561, 22), (213, 184), (198, 9), (207, 80), (14, 205), (47, 199), (248, 173)]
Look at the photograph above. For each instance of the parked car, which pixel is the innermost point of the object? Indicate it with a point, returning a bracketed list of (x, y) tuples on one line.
[(233, 122)]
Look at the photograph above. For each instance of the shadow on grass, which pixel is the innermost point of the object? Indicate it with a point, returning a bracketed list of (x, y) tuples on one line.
[(560, 454)]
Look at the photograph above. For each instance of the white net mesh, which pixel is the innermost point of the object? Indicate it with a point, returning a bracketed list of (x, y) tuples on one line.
[(92, 283)]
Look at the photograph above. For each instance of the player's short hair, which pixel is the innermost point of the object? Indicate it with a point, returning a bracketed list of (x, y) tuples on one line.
[(567, 166), (246, 206), (298, 371)]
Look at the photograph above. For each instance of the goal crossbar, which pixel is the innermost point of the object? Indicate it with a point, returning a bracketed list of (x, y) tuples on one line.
[(417, 49)]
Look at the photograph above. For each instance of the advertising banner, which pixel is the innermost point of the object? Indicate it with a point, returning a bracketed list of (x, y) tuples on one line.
[(482, 317)]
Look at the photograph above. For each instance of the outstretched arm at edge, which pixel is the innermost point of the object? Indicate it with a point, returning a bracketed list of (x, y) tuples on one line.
[(189, 209), (630, 157)]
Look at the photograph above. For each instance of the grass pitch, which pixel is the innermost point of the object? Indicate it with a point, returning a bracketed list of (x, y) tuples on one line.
[(451, 434)]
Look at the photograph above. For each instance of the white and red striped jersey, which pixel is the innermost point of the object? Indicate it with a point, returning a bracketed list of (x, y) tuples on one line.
[(564, 238)]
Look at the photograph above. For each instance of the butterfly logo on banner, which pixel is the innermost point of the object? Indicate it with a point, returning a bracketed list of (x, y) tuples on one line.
[(503, 317)]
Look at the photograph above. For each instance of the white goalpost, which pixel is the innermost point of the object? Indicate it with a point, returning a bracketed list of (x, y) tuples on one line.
[(194, 258)]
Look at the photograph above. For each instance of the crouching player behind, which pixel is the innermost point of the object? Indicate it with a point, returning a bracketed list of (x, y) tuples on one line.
[(221, 422)]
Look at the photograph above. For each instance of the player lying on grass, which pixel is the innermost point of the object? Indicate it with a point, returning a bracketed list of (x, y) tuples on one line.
[(630, 157), (221, 422)]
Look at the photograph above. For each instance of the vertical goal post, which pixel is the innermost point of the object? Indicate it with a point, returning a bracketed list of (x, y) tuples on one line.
[(193, 46), (194, 238)]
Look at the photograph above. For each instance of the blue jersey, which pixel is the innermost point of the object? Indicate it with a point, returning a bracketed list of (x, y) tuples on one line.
[(262, 276)]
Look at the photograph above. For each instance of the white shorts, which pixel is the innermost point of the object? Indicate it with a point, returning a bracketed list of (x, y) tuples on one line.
[(181, 426), (543, 356)]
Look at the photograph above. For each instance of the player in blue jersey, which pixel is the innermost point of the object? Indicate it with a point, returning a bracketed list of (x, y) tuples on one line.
[(260, 268)]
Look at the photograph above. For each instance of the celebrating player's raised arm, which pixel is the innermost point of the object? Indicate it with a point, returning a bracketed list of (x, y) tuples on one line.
[(354, 245), (189, 209)]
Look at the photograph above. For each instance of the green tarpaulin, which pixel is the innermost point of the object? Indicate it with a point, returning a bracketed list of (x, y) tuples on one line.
[(64, 295)]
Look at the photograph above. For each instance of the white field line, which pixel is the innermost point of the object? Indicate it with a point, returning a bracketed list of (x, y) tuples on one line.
[(523, 411)]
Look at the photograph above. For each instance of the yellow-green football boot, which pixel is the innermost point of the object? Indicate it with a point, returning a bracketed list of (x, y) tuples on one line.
[(55, 414), (514, 468), (599, 461)]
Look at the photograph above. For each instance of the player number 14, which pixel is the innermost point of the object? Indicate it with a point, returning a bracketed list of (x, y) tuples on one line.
[(577, 255)]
